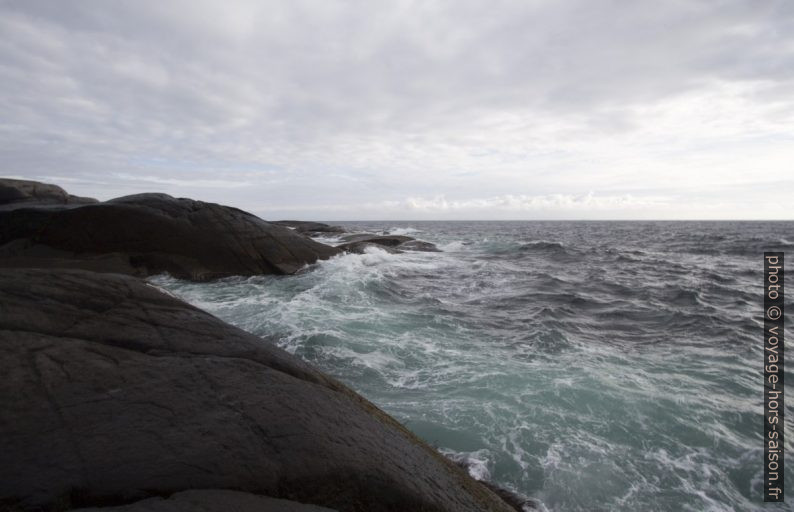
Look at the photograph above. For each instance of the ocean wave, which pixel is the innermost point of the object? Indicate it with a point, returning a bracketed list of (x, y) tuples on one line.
[(402, 231), (576, 363), (455, 245), (328, 239), (540, 245), (476, 463)]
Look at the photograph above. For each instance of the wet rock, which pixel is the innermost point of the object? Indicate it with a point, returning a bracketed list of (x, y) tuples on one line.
[(359, 242), (518, 502), (311, 228), (385, 240), (361, 247)]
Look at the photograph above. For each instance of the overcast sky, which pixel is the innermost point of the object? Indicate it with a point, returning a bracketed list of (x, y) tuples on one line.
[(408, 110)]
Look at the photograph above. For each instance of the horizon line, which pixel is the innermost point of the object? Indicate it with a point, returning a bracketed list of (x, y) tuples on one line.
[(531, 220)]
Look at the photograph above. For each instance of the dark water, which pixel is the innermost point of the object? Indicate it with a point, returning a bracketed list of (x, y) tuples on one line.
[(590, 365)]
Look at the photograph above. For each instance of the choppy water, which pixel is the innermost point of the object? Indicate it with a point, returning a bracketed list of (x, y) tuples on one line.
[(590, 365)]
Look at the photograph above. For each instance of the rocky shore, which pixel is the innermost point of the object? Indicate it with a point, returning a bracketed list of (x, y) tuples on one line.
[(148, 234), (117, 396)]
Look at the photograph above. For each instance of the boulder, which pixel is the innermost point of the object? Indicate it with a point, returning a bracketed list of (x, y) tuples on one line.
[(22, 193), (311, 228), (385, 240), (361, 247), (359, 242), (148, 234), (115, 392)]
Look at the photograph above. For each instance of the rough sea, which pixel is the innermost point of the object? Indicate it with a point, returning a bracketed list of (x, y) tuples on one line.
[(592, 366)]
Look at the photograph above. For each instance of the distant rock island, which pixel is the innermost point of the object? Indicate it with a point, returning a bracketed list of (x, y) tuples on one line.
[(117, 396), (393, 243)]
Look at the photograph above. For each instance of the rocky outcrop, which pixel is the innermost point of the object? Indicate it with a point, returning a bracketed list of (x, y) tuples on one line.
[(362, 247), (311, 228), (24, 193), (385, 240), (114, 392), (397, 243), (148, 234), (418, 245)]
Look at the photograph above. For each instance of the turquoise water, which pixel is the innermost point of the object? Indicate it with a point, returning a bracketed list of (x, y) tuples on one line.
[(588, 365)]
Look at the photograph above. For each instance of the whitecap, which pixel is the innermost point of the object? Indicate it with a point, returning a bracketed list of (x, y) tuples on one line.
[(476, 462), (401, 231), (456, 245)]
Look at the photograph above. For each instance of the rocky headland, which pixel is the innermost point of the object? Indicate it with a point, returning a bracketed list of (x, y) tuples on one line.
[(16, 193), (118, 396), (147, 234)]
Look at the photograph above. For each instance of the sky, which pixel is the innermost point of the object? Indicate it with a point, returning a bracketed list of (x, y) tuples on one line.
[(360, 110)]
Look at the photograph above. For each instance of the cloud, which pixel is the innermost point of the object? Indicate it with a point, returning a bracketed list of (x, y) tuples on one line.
[(522, 203), (305, 106), (157, 180)]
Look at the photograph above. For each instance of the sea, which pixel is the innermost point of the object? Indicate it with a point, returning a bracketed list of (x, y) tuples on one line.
[(591, 366)]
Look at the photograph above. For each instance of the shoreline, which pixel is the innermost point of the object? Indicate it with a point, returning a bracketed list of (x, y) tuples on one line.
[(93, 354)]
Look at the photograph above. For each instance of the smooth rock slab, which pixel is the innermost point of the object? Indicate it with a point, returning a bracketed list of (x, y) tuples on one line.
[(113, 392), (211, 501)]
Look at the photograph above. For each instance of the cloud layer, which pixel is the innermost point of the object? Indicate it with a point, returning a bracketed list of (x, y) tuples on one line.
[(457, 109)]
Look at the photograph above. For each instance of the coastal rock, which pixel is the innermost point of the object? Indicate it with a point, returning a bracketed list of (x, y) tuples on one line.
[(24, 193), (386, 240), (147, 234), (418, 245), (359, 242), (311, 228), (115, 392), (361, 247)]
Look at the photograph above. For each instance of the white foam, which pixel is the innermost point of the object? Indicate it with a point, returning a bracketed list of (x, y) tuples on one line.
[(160, 289), (456, 245), (328, 239), (540, 243), (535, 506), (402, 328), (476, 462), (553, 456), (402, 231)]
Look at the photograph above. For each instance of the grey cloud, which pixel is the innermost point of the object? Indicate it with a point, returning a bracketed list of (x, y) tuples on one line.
[(314, 103)]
